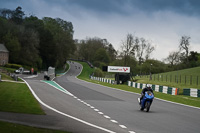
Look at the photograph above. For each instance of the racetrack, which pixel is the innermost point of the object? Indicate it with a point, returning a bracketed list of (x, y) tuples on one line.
[(94, 108), (123, 107)]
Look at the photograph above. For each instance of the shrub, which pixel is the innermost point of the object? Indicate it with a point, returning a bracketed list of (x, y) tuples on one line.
[(98, 73), (15, 66)]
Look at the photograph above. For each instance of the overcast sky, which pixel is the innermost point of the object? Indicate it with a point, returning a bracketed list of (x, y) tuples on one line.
[(162, 22)]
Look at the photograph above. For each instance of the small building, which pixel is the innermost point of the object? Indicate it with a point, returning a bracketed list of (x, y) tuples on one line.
[(4, 55)]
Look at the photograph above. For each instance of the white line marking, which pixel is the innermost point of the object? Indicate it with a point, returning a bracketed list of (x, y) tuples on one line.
[(131, 132), (91, 107), (88, 105), (114, 121), (84, 102), (122, 126), (106, 116), (100, 113), (82, 121), (64, 89), (96, 110)]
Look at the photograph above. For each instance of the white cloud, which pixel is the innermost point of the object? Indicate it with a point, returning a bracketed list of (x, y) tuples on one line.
[(163, 28)]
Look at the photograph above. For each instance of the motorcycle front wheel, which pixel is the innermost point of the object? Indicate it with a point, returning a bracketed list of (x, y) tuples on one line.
[(148, 104)]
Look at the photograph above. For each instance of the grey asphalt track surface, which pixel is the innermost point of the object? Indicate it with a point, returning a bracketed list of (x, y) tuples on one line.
[(164, 117), (102, 109)]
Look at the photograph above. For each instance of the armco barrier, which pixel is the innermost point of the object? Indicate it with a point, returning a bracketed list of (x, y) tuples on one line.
[(157, 88), (103, 80), (191, 92)]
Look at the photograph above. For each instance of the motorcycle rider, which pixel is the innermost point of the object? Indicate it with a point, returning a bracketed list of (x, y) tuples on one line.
[(148, 88)]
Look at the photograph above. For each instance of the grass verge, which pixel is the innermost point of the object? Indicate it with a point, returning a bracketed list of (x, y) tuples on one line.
[(6, 127), (5, 77), (16, 97), (192, 101), (186, 78)]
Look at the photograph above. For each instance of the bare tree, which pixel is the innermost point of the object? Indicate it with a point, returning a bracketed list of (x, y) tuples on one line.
[(184, 45), (128, 47), (149, 50), (173, 58), (141, 46), (136, 47)]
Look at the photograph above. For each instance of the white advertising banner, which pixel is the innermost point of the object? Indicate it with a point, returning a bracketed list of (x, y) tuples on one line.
[(119, 69)]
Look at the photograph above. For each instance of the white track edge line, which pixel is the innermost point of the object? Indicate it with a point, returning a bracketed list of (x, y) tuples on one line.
[(87, 123)]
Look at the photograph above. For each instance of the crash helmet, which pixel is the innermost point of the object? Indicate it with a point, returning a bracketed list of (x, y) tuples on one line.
[(148, 85)]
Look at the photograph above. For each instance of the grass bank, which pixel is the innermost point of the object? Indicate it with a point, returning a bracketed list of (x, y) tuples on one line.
[(16, 97), (87, 71), (192, 101), (186, 78), (6, 127), (5, 77)]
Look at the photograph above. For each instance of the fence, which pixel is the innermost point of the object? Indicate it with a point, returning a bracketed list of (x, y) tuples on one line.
[(157, 88), (179, 78), (103, 80)]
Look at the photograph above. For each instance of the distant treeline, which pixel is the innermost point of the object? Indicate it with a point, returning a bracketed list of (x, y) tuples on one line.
[(36, 42), (45, 42)]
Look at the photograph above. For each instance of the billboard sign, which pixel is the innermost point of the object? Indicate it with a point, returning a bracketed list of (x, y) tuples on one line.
[(119, 69)]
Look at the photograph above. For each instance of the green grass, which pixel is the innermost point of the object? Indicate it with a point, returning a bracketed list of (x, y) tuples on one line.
[(5, 77), (6, 127), (192, 101), (186, 78), (86, 71), (16, 97)]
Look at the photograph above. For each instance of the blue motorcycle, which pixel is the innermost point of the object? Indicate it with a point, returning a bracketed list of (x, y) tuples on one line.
[(146, 101)]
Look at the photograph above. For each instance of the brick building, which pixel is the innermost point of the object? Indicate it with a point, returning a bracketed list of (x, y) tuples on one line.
[(4, 55)]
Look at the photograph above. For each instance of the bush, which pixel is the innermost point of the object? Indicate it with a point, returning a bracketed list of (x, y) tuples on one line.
[(15, 66), (98, 73), (99, 64)]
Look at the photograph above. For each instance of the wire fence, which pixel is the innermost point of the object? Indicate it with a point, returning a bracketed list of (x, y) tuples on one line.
[(179, 78)]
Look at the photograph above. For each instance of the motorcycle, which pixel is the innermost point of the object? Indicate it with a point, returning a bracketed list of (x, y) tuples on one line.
[(146, 101)]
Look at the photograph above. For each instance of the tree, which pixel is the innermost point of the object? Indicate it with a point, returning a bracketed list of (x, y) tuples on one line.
[(6, 13), (149, 50), (112, 52), (173, 58), (62, 32), (136, 47), (141, 45), (35, 42), (14, 47), (29, 54), (184, 45), (102, 56), (18, 15), (128, 47), (89, 47), (194, 59)]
